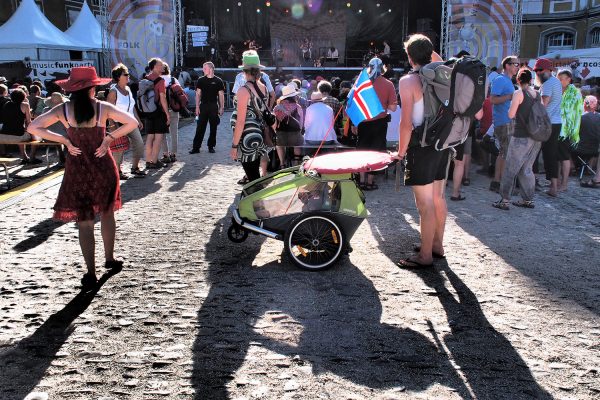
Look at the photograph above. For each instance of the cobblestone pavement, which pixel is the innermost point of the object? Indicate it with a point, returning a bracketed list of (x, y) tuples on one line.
[(512, 313)]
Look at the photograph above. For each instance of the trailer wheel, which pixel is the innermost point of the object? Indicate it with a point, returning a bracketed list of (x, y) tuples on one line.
[(237, 234)]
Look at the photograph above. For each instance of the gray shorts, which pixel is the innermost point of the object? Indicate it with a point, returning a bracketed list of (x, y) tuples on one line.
[(503, 134)]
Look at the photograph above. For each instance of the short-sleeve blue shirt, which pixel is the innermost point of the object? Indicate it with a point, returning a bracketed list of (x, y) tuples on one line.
[(553, 89), (501, 86)]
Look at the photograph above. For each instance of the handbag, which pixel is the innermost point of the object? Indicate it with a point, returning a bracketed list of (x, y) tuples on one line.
[(120, 144)]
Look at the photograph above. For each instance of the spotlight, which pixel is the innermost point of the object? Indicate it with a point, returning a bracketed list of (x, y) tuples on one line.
[(348, 4), (378, 4), (258, 10), (268, 4), (228, 10), (239, 3), (360, 11), (389, 10)]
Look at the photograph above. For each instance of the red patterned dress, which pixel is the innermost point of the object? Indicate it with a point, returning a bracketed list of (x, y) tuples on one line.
[(90, 184)]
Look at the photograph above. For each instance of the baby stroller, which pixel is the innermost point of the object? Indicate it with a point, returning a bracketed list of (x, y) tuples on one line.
[(314, 208)]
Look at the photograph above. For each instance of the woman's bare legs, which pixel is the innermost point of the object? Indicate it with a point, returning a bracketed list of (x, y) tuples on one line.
[(88, 245), (108, 227)]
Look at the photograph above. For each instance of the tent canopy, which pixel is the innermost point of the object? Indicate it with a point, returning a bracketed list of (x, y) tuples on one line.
[(577, 53), (86, 29), (28, 28)]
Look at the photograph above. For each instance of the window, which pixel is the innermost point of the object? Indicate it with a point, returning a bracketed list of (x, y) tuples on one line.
[(560, 41), (595, 37), (557, 6)]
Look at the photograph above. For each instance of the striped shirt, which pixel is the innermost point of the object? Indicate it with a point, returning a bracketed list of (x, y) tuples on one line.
[(553, 89)]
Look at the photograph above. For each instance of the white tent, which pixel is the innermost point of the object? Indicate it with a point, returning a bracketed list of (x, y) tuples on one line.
[(28, 33), (583, 63), (86, 29)]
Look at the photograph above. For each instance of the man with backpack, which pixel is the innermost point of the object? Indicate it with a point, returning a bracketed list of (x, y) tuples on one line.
[(502, 89), (210, 99), (427, 157), (152, 100)]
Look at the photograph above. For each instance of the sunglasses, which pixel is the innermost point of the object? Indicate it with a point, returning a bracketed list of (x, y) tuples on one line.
[(516, 64), (125, 74), (537, 71)]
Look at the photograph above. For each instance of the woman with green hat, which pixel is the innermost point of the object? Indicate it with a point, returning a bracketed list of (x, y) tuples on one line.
[(248, 119)]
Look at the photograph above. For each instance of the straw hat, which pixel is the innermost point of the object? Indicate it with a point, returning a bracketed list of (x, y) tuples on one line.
[(289, 90), (250, 59), (55, 99), (82, 78), (316, 96)]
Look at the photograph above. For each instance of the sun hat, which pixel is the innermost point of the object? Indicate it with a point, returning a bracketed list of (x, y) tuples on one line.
[(542, 64), (289, 90), (82, 78), (591, 102), (55, 99), (250, 59), (316, 96)]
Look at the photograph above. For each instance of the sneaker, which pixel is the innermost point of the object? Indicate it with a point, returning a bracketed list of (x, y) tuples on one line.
[(165, 159), (138, 173), (173, 158), (194, 151), (35, 161), (122, 176), (161, 164), (211, 149), (495, 186), (24, 161)]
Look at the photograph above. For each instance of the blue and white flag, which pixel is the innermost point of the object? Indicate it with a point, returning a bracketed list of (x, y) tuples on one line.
[(363, 102)]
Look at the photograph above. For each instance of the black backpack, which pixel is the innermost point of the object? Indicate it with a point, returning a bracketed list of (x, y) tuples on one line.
[(290, 123), (453, 92)]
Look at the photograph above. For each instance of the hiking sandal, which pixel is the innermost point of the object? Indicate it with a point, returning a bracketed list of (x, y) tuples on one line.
[(501, 204), (524, 204)]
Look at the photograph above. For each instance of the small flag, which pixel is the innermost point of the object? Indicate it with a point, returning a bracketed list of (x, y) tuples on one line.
[(363, 102)]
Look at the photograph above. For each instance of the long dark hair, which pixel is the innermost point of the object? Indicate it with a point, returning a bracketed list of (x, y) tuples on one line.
[(82, 105)]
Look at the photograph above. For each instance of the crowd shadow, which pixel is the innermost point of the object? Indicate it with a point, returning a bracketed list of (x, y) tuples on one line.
[(23, 365), (39, 234), (335, 314), (492, 368), (564, 246)]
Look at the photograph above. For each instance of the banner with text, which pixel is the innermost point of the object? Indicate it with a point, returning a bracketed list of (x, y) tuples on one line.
[(484, 28), (49, 70), (139, 31)]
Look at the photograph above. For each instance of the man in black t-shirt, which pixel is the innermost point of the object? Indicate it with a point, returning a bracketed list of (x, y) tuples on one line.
[(210, 94)]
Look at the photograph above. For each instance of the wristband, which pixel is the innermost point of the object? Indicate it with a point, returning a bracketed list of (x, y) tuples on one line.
[(234, 146), (109, 135)]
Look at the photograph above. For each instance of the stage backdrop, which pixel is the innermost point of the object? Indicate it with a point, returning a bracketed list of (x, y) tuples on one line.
[(323, 29), (139, 31), (484, 28)]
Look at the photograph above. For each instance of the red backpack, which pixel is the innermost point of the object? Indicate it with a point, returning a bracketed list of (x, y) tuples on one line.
[(177, 97)]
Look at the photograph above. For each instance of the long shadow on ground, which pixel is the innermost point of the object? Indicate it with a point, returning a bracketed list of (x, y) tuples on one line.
[(23, 365), (491, 366), (337, 311)]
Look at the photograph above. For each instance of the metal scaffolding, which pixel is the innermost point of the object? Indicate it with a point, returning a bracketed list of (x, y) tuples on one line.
[(517, 24), (179, 31), (104, 61), (445, 21)]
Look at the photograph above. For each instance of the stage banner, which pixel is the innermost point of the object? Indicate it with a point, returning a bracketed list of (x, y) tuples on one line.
[(50, 70), (484, 28), (139, 30)]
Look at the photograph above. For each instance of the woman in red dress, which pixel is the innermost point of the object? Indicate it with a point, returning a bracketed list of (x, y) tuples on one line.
[(90, 185)]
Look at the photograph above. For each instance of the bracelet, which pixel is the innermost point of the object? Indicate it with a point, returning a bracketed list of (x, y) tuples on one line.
[(109, 135), (234, 146)]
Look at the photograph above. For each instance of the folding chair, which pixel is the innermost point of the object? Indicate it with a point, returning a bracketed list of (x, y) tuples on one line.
[(584, 166)]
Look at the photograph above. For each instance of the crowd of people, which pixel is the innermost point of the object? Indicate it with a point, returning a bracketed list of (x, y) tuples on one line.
[(276, 120)]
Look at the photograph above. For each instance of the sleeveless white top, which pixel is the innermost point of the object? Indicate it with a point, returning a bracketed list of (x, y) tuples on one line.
[(125, 103), (418, 113)]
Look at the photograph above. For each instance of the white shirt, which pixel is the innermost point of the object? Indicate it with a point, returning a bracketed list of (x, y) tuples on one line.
[(240, 81), (386, 50), (124, 102), (332, 54), (318, 119)]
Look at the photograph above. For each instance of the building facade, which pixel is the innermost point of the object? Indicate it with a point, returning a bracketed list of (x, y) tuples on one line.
[(62, 13), (554, 25)]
